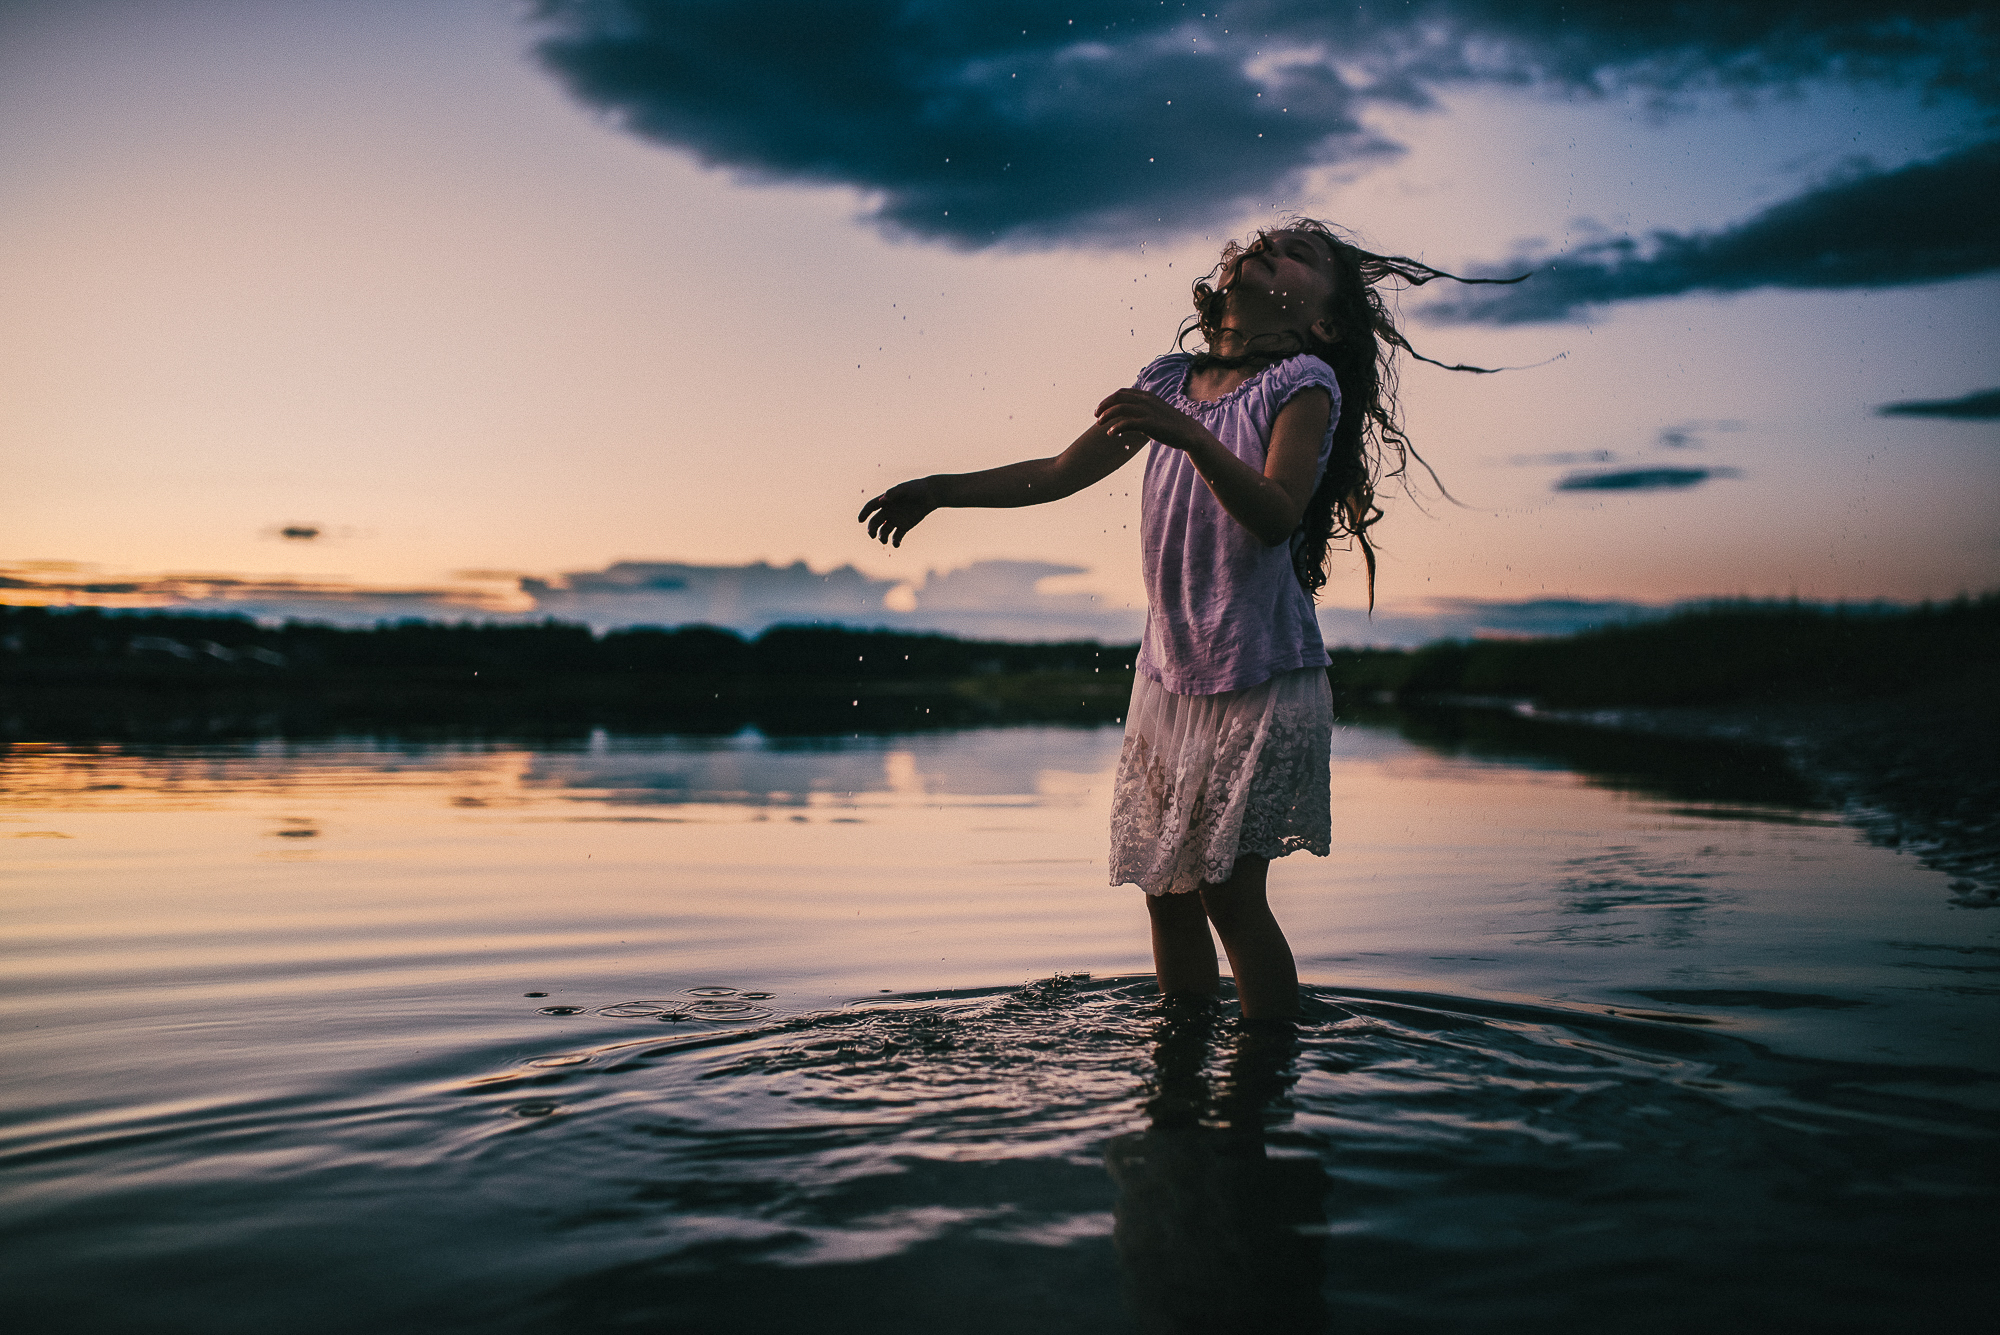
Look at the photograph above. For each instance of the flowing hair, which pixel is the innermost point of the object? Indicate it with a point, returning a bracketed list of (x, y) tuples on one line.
[(1369, 446)]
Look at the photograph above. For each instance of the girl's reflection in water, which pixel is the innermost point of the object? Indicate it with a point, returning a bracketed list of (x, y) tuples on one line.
[(1212, 1233)]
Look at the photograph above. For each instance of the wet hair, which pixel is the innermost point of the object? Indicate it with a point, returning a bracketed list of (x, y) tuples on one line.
[(1369, 446)]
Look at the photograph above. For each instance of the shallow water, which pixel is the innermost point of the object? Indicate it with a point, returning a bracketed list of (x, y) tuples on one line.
[(742, 1034)]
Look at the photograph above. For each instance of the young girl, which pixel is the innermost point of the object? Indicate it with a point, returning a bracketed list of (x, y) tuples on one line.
[(1265, 447)]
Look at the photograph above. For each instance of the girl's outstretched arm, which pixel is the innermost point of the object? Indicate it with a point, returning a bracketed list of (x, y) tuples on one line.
[(1269, 504), (1094, 455)]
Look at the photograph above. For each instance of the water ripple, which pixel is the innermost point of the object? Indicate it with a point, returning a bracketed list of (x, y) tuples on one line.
[(1413, 1141), (1397, 1161)]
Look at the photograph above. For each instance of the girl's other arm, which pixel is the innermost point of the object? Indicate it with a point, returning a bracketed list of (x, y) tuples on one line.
[(1269, 504), (1094, 455)]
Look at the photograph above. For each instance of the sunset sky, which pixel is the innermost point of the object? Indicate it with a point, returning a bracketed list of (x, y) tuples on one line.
[(475, 294)]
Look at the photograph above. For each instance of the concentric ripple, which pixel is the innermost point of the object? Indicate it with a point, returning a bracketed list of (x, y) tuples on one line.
[(1416, 1143), (720, 1005)]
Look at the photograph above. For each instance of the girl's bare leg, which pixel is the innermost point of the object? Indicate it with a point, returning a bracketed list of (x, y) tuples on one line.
[(1267, 978), (1183, 951)]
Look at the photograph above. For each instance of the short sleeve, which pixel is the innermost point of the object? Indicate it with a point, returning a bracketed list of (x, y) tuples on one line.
[(1165, 375), (1293, 378), (1302, 373)]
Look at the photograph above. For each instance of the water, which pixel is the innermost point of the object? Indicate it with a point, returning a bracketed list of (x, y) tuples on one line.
[(744, 1035)]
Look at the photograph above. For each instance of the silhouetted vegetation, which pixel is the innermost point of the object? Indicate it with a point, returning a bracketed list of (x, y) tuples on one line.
[(85, 671), (1725, 653), (55, 644)]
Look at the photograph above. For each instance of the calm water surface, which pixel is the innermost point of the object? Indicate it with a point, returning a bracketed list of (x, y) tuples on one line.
[(748, 1034)]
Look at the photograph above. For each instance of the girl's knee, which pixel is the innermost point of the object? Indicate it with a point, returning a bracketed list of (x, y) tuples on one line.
[(1239, 897), (1171, 907)]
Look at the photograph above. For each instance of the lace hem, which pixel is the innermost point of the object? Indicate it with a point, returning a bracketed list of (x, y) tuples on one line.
[(1204, 780)]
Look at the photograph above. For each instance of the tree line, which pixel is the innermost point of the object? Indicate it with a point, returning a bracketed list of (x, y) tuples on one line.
[(59, 644), (1720, 653)]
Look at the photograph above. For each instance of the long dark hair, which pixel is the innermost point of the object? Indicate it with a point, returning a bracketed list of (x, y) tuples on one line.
[(1369, 446)]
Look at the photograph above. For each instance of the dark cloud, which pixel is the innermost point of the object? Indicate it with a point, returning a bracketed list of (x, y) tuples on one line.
[(1562, 458), (1688, 435), (1917, 224), (1983, 405), (1039, 122), (1643, 479)]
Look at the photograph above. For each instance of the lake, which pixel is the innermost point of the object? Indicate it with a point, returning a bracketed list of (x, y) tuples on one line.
[(846, 1033)]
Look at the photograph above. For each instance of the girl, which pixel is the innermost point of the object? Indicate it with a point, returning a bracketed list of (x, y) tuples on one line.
[(1264, 448)]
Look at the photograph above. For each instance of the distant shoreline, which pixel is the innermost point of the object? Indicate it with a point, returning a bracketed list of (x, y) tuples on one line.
[(1890, 715)]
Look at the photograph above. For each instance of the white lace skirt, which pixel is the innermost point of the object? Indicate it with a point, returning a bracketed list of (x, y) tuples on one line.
[(1206, 779)]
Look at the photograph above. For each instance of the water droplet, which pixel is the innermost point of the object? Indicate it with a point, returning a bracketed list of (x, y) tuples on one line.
[(645, 1009)]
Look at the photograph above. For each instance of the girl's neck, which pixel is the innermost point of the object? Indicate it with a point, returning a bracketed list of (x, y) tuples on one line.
[(1258, 327), (1256, 331), (1235, 356), (1214, 374)]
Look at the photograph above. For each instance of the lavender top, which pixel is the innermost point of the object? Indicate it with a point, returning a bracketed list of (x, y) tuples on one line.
[(1224, 611)]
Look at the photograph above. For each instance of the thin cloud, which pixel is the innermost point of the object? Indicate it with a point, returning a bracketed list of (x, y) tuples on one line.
[(1921, 223), (1982, 405), (1045, 123), (1562, 458), (265, 598), (983, 600), (1409, 625), (1643, 479)]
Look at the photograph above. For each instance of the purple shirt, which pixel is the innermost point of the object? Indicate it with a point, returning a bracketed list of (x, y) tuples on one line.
[(1224, 611)]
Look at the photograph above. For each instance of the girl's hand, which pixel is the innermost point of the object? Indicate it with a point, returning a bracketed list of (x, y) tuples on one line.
[(1134, 411), (898, 510)]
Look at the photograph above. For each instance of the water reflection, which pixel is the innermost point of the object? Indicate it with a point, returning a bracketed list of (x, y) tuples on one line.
[(1212, 1232), (726, 1033), (1729, 780), (745, 768), (751, 768), (1699, 769)]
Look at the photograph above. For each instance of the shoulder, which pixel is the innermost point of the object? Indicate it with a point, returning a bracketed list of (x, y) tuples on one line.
[(1295, 375), (1304, 371), (1165, 375)]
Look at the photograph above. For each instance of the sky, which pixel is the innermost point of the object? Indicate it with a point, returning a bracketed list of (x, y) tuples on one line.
[(617, 311)]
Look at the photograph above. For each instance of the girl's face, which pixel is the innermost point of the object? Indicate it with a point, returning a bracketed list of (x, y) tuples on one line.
[(1292, 270)]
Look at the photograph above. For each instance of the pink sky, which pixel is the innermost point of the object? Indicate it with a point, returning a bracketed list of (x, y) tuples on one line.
[(368, 269)]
